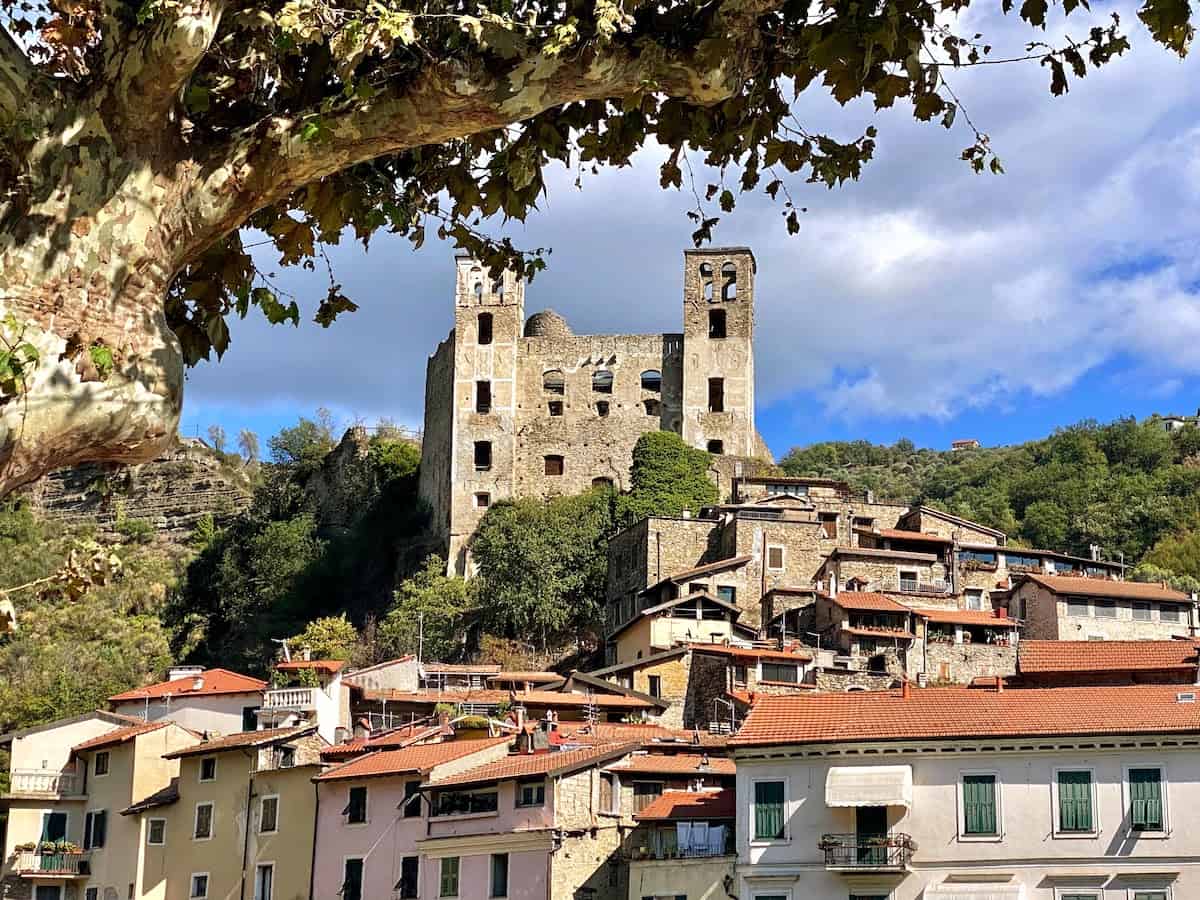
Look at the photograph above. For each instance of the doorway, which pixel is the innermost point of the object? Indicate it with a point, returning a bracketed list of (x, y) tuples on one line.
[(870, 825)]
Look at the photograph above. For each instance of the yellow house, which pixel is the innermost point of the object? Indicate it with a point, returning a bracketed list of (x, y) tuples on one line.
[(122, 767), (239, 824), (699, 617)]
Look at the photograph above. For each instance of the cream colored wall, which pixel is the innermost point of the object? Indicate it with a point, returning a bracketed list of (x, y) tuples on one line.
[(291, 847), (50, 749), (697, 879), (115, 864)]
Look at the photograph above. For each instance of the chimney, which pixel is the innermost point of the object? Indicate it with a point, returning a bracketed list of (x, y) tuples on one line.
[(520, 711), (177, 673), (198, 683), (905, 689), (870, 496), (687, 514), (999, 684), (443, 718)]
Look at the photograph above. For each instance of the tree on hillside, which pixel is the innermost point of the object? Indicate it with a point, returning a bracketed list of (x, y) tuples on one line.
[(137, 139), (431, 615), (330, 637), (668, 476), (216, 437), (302, 447), (248, 445)]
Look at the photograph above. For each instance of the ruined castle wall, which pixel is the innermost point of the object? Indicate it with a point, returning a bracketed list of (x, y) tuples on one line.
[(438, 438)]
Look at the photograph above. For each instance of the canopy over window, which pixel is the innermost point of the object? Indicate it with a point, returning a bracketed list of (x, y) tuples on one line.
[(869, 786), (977, 892)]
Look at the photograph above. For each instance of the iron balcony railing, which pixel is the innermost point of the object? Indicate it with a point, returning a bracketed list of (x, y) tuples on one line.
[(46, 781), (31, 863), (852, 851)]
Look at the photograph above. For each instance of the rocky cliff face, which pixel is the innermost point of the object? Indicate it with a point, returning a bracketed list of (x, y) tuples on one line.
[(169, 494)]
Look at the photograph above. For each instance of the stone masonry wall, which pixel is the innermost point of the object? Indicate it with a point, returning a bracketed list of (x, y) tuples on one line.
[(961, 663), (841, 680), (438, 439)]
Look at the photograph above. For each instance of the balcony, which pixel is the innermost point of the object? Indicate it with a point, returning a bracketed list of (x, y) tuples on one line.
[(301, 698), (46, 783), (852, 853), (33, 864), (908, 586)]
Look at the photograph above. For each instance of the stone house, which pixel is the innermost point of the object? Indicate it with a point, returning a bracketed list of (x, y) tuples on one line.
[(869, 630), (527, 408), (969, 793), (958, 646), (1068, 608)]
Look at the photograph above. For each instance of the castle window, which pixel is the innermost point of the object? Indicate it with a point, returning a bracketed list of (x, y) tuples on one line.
[(708, 291), (603, 482), (555, 407), (652, 407), (485, 328), (553, 383), (478, 289), (483, 397), (728, 281), (483, 500), (483, 455), (706, 284), (716, 323), (498, 288), (716, 395), (716, 447), (554, 465), (602, 381), (652, 380), (602, 408)]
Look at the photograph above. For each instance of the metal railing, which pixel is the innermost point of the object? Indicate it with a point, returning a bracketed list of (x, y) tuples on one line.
[(66, 865), (937, 588), (291, 698), (45, 781), (850, 851)]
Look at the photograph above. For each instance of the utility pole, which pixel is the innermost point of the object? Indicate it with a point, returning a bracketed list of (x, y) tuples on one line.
[(420, 637)]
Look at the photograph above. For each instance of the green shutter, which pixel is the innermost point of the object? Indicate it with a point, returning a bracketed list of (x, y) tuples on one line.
[(1075, 801), (1145, 796), (768, 811), (979, 804)]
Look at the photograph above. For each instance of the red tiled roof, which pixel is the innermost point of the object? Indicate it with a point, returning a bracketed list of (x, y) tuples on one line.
[(528, 698), (879, 632), (120, 736), (648, 735), (671, 805), (708, 568), (216, 681), (1104, 656), (966, 617), (676, 764), (793, 655), (1104, 587), (321, 665), (526, 764), (240, 740), (899, 534), (395, 739), (868, 600), (960, 712), (418, 759)]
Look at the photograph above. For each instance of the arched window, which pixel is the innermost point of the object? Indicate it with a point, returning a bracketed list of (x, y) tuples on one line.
[(652, 380), (706, 281), (485, 328), (602, 381), (478, 288), (728, 282), (603, 482), (553, 383), (498, 288), (652, 407)]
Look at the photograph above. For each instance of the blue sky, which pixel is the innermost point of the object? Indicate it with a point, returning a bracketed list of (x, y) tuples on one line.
[(922, 301)]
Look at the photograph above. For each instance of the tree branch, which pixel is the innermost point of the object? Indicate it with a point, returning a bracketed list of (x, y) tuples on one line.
[(16, 75)]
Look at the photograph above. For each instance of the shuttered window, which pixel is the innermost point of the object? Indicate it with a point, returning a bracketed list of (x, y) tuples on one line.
[(979, 804), (1145, 799), (1074, 801), (769, 823)]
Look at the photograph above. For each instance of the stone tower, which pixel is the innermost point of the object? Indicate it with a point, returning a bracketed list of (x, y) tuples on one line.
[(718, 350)]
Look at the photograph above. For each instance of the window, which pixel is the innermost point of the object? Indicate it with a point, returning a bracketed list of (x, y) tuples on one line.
[(1075, 802), (604, 482), (1146, 800), (411, 804), (1142, 611), (727, 592), (977, 558), (286, 758), (208, 768), (352, 879), (355, 810), (483, 455), (483, 500), (199, 886), (268, 815), (555, 408), (608, 792), (739, 675), (1105, 609), (499, 875), (483, 397), (553, 382), (775, 558), (458, 803), (1149, 895), (203, 827), (156, 832), (979, 809), (655, 682), (728, 281), (645, 793), (95, 829), (485, 328), (716, 448), (531, 793), (47, 892), (716, 395), (54, 826), (653, 407), (829, 525), (602, 409), (787, 673), (91, 894), (652, 380), (910, 580), (1170, 613), (1078, 606), (1079, 897), (770, 823), (554, 465), (602, 381), (264, 881), (249, 718), (448, 884), (101, 764), (409, 878), (716, 324), (974, 598)]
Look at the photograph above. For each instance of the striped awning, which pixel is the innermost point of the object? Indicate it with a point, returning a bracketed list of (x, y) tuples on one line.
[(869, 786)]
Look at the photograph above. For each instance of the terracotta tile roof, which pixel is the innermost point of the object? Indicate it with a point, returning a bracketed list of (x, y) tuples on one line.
[(395, 739), (321, 665), (966, 617), (1104, 656), (708, 568), (676, 764), (674, 805), (549, 699), (536, 677), (879, 632), (1104, 587), (120, 736), (216, 681), (900, 534), (868, 600), (961, 712), (411, 760), (885, 554), (241, 740), (648, 735), (162, 797), (795, 654), (528, 764)]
